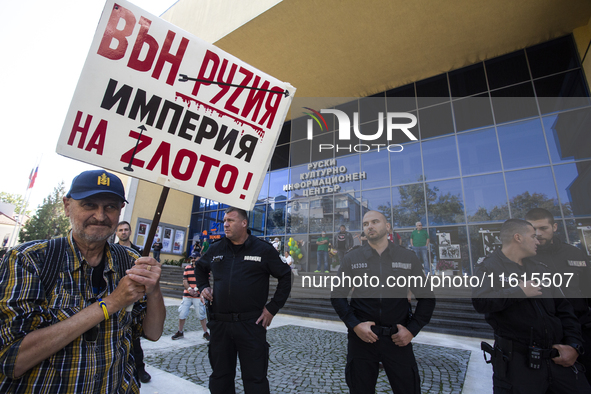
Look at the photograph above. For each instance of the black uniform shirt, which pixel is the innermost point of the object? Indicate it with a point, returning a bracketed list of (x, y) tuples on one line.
[(241, 276), (573, 266), (385, 305), (544, 320)]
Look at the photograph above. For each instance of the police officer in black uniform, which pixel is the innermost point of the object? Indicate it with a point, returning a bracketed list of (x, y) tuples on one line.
[(380, 324), (537, 335), (240, 264), (573, 265)]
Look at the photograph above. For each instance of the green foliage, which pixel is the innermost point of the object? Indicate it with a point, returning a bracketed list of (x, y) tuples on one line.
[(16, 199), (50, 220)]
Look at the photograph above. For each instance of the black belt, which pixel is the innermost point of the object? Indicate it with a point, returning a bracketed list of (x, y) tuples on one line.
[(386, 331), (507, 346), (229, 317)]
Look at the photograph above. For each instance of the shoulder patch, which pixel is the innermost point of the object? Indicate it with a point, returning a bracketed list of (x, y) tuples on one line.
[(480, 260)]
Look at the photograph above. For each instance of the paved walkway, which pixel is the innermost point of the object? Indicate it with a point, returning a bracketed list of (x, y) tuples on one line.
[(308, 356)]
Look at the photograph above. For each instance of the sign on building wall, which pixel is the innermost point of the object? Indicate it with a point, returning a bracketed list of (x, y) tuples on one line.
[(138, 109)]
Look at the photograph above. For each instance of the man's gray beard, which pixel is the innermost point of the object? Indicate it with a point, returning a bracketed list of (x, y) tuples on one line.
[(89, 238)]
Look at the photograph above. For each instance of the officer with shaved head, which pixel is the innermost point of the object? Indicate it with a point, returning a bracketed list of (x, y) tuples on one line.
[(377, 317)]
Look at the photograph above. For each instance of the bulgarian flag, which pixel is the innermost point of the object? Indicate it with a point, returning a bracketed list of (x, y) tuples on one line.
[(32, 177)]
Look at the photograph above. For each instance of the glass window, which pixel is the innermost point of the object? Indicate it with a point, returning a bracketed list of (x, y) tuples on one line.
[(376, 166), (371, 130), (531, 189), (436, 121), (347, 211), (284, 134), (479, 152), (300, 152), (370, 107), (432, 90), (444, 202), (552, 57), (277, 179), (352, 165), (568, 135), (408, 205), (486, 198), (323, 146), (299, 128), (378, 200), (401, 99), (321, 217), (561, 92), (276, 218), (264, 193), (523, 144), (258, 220), (406, 166), (467, 81), (295, 177), (507, 70), (280, 158), (297, 216), (473, 112), (440, 158), (514, 103), (573, 188)]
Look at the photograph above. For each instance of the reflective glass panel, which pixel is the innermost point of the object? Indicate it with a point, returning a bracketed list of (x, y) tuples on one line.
[(408, 205), (523, 144), (479, 152), (321, 213), (351, 163), (435, 121), (376, 166), (277, 179), (568, 135), (440, 158), (444, 202), (347, 211), (579, 234), (296, 178), (573, 188), (473, 112), (276, 218), (257, 220), (297, 216), (486, 198), (406, 166), (531, 189), (377, 200), (484, 239), (264, 193), (300, 152)]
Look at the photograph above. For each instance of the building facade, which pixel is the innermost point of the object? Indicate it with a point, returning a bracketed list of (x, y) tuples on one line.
[(502, 108)]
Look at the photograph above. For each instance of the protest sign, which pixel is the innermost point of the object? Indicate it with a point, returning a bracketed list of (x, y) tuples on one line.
[(138, 109)]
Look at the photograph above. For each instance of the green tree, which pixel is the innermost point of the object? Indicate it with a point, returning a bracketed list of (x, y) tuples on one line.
[(16, 199), (50, 220)]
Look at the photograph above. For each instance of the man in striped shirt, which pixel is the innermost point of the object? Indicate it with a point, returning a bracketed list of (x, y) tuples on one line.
[(64, 325), (191, 296)]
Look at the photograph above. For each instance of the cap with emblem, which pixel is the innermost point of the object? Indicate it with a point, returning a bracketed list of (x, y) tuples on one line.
[(89, 183)]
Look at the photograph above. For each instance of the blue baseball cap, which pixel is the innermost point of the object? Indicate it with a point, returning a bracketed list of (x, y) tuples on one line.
[(89, 183)]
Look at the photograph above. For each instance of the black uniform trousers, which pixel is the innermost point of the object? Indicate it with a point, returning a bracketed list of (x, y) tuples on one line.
[(585, 359), (247, 340), (550, 378), (363, 366)]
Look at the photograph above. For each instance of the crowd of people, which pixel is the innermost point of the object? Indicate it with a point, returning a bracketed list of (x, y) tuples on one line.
[(73, 309)]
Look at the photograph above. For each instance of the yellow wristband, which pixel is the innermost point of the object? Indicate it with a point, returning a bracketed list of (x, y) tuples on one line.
[(103, 305)]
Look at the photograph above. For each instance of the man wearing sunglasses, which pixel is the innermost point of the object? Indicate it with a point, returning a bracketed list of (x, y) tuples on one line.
[(65, 322)]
